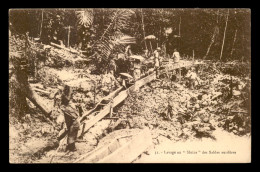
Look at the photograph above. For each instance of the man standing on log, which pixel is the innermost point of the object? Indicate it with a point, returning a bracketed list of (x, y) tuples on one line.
[(71, 118)]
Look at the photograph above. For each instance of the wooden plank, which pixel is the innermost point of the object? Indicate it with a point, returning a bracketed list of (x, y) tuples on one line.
[(144, 81), (113, 94), (131, 150), (118, 99), (105, 98)]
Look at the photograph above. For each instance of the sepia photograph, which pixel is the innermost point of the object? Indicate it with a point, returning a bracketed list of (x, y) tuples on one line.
[(129, 85)]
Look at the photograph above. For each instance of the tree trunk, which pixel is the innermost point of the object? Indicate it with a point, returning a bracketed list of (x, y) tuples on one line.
[(224, 37), (17, 101), (213, 38), (151, 46), (41, 25), (193, 55), (143, 28), (217, 16), (37, 100), (69, 37), (180, 27), (160, 35), (208, 49), (212, 41), (235, 37)]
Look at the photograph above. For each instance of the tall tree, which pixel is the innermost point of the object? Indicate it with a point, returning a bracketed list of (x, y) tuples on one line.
[(213, 38), (235, 37), (224, 36), (143, 28)]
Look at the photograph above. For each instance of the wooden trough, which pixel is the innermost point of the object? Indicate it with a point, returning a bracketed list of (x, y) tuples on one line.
[(123, 149), (117, 97)]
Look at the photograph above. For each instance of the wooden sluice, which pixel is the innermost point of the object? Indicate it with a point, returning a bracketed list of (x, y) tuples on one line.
[(119, 96), (115, 151)]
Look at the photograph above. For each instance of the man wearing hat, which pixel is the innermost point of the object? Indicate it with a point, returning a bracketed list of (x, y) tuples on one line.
[(71, 116)]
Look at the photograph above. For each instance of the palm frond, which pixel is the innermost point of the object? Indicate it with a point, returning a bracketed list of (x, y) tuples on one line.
[(113, 37), (122, 19), (119, 20), (85, 17), (125, 40)]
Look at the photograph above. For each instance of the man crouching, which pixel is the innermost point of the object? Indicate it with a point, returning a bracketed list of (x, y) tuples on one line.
[(71, 116)]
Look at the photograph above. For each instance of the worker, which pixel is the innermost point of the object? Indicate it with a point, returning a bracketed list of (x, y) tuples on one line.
[(71, 118), (128, 51), (192, 77), (169, 110), (157, 61), (146, 54), (123, 80), (137, 69), (156, 66), (157, 53), (176, 56), (176, 59)]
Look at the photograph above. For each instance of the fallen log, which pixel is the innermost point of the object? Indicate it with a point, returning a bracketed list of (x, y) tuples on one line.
[(42, 91), (36, 100), (67, 49), (29, 93)]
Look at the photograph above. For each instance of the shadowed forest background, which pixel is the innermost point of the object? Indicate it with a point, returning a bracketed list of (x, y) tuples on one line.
[(188, 30)]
